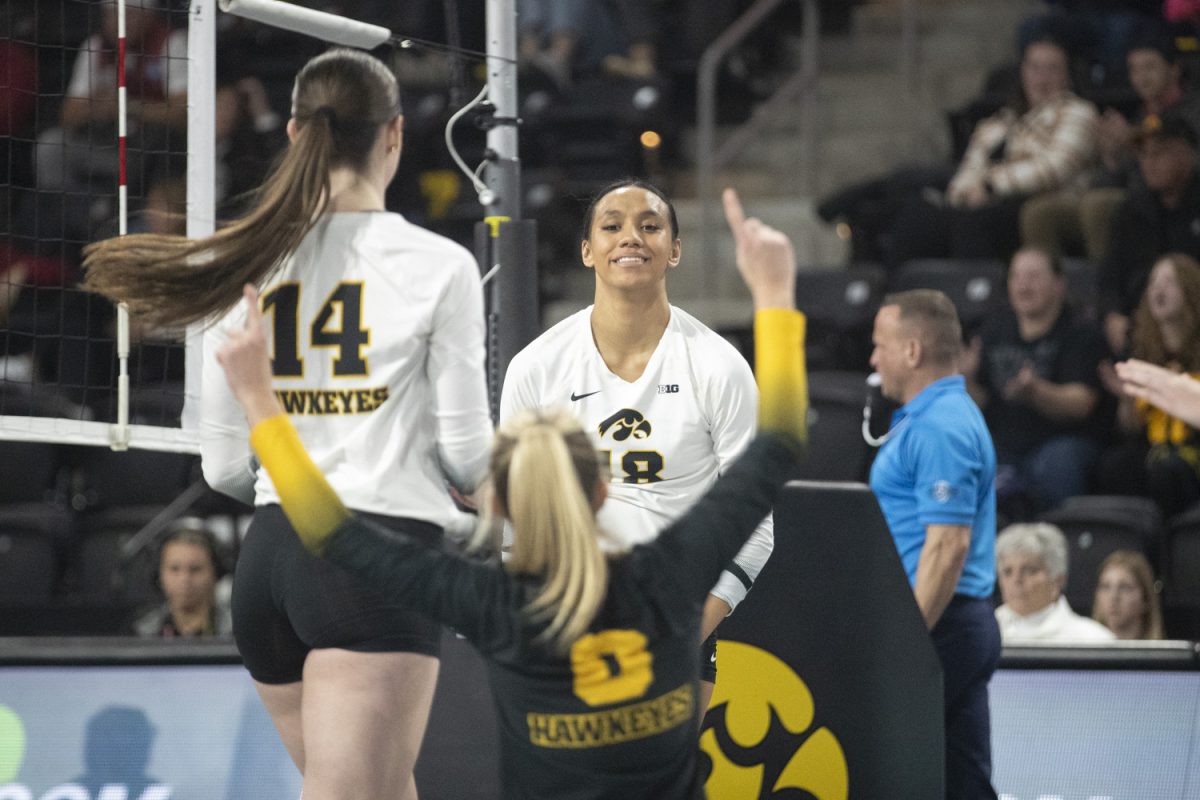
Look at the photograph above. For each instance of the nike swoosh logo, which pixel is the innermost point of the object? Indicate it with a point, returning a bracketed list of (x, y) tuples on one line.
[(575, 397)]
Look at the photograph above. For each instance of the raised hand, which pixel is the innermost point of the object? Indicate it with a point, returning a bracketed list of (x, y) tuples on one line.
[(247, 365), (764, 257), (1175, 393)]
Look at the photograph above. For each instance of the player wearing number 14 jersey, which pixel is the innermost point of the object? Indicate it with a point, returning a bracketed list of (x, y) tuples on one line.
[(376, 334)]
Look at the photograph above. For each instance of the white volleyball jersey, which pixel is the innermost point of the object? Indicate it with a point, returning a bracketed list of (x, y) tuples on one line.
[(376, 331), (668, 435)]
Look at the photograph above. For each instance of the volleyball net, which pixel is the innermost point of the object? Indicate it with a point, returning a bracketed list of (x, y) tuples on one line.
[(96, 111), (127, 116)]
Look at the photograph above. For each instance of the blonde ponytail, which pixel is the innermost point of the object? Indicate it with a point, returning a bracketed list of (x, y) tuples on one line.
[(545, 471)]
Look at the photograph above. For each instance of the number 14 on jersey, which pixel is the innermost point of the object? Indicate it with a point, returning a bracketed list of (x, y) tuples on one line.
[(338, 324)]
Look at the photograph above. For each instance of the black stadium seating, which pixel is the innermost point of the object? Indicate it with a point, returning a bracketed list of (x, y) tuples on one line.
[(977, 287), (1097, 525)]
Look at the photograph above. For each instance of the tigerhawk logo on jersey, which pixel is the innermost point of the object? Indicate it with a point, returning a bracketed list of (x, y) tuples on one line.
[(625, 423), (757, 688)]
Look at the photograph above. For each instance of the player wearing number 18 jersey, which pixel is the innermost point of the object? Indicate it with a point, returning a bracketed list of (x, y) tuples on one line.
[(670, 402), (666, 436)]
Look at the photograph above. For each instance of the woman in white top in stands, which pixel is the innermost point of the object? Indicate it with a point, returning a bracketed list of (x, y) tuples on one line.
[(377, 339), (668, 402), (1031, 559)]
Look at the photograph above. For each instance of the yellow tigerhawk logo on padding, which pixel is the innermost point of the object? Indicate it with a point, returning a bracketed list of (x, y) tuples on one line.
[(751, 685), (625, 423)]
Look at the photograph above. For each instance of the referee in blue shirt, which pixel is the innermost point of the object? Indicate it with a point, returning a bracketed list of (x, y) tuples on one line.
[(935, 479)]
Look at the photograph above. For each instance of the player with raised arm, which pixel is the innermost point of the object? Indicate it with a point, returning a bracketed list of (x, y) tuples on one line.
[(560, 613)]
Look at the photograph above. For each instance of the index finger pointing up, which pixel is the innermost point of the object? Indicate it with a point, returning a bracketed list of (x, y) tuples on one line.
[(734, 214)]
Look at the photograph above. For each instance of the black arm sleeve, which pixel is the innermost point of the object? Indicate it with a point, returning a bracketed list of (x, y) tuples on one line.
[(472, 598)]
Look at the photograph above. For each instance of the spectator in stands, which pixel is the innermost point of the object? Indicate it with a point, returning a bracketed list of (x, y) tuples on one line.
[(1162, 459), (166, 206), (1033, 369), (1100, 29), (1032, 563), (1161, 214), (189, 568), (249, 135), (620, 36), (1043, 141), (1187, 11), (18, 103), (81, 154), (1126, 601), (1080, 221)]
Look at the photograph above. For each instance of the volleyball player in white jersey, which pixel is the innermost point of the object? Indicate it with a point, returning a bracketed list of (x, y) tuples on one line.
[(377, 330), (670, 402)]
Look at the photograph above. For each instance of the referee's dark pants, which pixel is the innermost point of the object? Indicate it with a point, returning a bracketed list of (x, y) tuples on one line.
[(967, 640)]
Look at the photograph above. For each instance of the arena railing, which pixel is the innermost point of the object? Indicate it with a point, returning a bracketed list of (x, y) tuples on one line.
[(710, 157)]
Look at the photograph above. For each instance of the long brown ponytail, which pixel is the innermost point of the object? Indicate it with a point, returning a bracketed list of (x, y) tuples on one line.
[(340, 102)]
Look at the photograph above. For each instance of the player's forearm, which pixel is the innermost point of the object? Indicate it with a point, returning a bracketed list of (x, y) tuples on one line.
[(715, 610), (779, 368), (939, 568)]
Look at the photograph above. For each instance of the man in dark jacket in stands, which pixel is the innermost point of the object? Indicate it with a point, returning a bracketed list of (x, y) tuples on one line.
[(1160, 215), (1033, 371)]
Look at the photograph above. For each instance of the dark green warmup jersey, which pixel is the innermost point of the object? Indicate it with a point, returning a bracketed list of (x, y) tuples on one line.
[(616, 717)]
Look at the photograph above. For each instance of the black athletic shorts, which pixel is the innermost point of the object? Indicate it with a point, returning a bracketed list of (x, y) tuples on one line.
[(287, 602), (708, 659)]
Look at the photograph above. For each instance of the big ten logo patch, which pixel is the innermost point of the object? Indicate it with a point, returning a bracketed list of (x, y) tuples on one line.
[(668, 388), (759, 733)]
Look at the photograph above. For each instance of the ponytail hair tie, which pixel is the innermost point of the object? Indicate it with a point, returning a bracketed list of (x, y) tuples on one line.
[(329, 114)]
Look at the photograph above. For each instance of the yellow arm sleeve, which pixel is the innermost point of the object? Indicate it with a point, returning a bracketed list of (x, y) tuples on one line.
[(310, 503), (781, 373)]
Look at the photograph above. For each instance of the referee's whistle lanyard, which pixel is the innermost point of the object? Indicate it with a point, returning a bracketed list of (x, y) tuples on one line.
[(877, 441), (873, 384)]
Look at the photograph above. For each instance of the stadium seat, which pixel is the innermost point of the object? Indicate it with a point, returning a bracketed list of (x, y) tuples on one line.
[(1097, 525), (1181, 576), (977, 287), (1083, 286), (132, 478), (28, 472), (30, 542), (97, 568), (836, 450), (840, 305)]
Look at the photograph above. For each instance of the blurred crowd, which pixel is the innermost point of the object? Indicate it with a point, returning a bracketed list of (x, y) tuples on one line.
[(1079, 159)]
